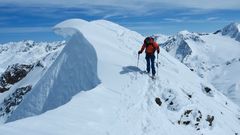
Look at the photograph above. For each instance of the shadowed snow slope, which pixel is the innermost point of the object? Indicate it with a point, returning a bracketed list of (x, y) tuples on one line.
[(124, 102), (232, 30), (74, 70)]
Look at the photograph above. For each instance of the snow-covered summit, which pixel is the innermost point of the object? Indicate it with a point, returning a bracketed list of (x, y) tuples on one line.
[(232, 30), (184, 32), (66, 25), (179, 46), (186, 35)]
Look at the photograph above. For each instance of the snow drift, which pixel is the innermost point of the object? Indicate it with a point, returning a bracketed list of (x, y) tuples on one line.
[(74, 70), (127, 101)]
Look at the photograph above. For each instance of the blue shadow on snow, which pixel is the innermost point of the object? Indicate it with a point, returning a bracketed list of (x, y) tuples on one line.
[(128, 69)]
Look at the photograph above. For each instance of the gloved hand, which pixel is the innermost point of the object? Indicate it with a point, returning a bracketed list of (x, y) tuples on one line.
[(158, 52), (139, 52)]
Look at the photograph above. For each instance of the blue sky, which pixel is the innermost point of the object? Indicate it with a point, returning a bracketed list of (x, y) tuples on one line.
[(31, 19)]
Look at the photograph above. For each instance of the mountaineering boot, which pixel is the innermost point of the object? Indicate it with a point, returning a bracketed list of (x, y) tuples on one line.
[(153, 76)]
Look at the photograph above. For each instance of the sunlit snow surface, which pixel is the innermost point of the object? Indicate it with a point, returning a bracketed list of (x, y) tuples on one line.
[(215, 57), (124, 101)]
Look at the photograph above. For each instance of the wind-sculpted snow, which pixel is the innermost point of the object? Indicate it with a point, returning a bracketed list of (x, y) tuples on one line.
[(74, 70), (127, 101)]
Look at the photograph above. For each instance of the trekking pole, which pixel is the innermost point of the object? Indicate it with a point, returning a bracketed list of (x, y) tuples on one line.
[(157, 64), (138, 60)]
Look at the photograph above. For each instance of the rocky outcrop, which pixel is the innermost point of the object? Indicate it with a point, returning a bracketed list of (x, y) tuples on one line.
[(12, 101), (178, 44), (12, 75), (195, 118)]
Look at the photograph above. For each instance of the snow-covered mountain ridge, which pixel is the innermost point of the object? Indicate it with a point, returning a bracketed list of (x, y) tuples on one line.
[(124, 100), (26, 52), (19, 61), (213, 56)]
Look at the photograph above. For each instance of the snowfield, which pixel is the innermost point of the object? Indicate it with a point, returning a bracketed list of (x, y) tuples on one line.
[(213, 56), (94, 87)]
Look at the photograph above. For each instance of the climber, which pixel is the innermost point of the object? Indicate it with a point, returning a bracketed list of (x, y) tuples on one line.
[(150, 47)]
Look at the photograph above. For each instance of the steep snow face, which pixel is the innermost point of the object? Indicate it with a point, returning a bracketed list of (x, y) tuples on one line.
[(212, 56), (232, 30), (226, 79), (22, 65), (74, 70), (128, 101)]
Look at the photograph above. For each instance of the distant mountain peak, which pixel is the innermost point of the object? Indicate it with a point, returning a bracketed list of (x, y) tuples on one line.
[(232, 30), (186, 35), (235, 24), (184, 32)]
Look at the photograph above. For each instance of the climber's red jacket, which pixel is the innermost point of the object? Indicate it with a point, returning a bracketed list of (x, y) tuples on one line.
[(150, 48)]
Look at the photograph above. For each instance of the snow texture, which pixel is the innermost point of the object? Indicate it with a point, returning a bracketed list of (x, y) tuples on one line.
[(214, 57), (124, 101)]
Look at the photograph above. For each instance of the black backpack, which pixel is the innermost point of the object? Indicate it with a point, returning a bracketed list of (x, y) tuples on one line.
[(148, 41)]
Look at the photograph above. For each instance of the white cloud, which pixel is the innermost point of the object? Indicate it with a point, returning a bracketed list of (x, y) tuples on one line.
[(132, 4), (191, 12), (212, 18), (25, 29), (174, 20), (208, 4), (196, 20), (120, 8)]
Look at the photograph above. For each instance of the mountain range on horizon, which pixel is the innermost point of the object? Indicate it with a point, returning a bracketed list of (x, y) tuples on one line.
[(213, 56)]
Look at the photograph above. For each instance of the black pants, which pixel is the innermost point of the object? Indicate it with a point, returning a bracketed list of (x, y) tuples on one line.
[(150, 58)]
